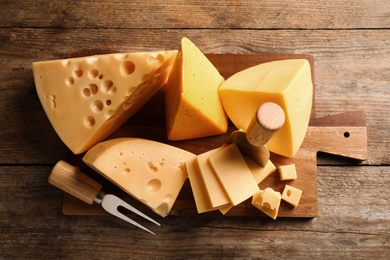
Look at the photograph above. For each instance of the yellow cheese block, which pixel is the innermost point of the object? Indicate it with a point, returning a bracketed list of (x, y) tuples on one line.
[(268, 201), (151, 172), (193, 107), (287, 83), (234, 174), (88, 98)]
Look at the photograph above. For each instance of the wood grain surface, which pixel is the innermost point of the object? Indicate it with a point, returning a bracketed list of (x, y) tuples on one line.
[(350, 42)]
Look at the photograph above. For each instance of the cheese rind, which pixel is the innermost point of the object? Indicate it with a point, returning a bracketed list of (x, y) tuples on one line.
[(287, 83), (151, 172), (234, 174), (86, 99), (291, 195), (193, 107)]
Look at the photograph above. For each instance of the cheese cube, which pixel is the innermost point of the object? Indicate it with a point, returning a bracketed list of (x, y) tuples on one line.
[(287, 83), (268, 201), (287, 172), (151, 172), (291, 195), (86, 99), (234, 174), (193, 107)]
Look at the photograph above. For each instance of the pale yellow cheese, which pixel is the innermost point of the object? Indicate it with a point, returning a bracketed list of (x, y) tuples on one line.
[(193, 107), (268, 201), (287, 83), (213, 186), (151, 172), (202, 200), (291, 195), (260, 173), (234, 174), (86, 99), (287, 172)]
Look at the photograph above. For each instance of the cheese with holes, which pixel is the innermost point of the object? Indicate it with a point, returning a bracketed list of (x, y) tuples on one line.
[(268, 201), (287, 83), (287, 172), (86, 99), (151, 172), (291, 195), (234, 174), (193, 107)]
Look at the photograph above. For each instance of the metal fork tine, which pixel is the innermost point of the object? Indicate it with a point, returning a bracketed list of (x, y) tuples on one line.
[(111, 203)]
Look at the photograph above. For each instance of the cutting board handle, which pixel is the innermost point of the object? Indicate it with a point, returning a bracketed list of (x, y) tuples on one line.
[(71, 180)]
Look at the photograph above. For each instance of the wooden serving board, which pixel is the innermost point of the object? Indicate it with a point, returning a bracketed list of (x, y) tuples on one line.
[(342, 135)]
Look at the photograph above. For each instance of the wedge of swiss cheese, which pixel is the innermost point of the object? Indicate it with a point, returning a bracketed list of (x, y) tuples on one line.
[(287, 83), (150, 171), (193, 107), (88, 98)]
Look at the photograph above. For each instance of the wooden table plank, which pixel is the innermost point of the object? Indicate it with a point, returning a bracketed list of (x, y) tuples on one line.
[(246, 14), (353, 222)]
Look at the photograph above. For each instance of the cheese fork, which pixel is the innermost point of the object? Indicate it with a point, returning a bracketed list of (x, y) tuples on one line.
[(71, 180)]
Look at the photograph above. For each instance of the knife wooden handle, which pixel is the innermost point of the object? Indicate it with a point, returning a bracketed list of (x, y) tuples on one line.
[(268, 119), (71, 180)]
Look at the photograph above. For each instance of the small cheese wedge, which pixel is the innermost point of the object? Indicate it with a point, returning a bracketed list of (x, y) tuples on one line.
[(86, 99), (291, 195), (287, 83), (234, 174), (268, 201), (193, 107), (151, 172)]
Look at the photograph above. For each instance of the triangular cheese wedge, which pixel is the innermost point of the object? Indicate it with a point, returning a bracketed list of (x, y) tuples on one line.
[(86, 99), (151, 172), (193, 107)]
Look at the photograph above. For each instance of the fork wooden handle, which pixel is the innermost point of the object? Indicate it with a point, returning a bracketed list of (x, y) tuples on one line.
[(71, 180)]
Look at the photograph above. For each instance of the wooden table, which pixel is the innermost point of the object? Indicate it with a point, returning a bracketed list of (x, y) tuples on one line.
[(350, 42)]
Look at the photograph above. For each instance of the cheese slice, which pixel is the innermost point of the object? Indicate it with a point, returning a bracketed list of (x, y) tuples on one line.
[(260, 173), (213, 186), (193, 107), (151, 172), (234, 174), (268, 201), (202, 200), (88, 98), (287, 83)]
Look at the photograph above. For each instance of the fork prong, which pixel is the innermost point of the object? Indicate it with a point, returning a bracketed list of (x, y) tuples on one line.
[(129, 220), (111, 203)]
